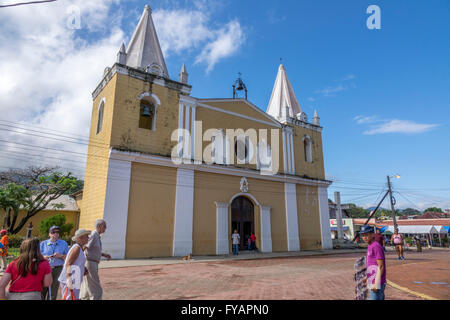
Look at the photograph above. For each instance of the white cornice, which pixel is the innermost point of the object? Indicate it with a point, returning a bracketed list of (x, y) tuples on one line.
[(142, 75), (232, 171)]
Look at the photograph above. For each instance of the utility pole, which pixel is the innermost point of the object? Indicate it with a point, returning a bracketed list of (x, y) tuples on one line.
[(392, 202), (337, 199)]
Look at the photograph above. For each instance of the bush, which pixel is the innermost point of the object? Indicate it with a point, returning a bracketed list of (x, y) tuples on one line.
[(58, 220), (15, 241), (408, 240)]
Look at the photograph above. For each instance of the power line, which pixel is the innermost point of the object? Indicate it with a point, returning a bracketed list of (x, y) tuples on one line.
[(25, 3)]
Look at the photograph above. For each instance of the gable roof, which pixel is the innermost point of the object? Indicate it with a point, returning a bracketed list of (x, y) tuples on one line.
[(235, 106)]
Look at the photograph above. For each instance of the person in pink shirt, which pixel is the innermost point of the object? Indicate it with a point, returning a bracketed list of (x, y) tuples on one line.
[(375, 264)]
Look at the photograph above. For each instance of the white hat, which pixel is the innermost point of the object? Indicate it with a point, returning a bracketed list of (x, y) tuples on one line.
[(80, 233)]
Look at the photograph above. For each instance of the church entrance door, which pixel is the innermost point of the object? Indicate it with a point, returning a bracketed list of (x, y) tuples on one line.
[(242, 219)]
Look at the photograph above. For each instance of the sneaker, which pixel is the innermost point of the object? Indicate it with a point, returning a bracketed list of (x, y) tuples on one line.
[(403, 258), (399, 258)]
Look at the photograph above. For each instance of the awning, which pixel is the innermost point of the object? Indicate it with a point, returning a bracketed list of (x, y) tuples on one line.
[(414, 229), (447, 228), (440, 229), (335, 228)]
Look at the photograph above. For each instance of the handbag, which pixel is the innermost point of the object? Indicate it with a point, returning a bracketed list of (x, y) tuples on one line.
[(72, 294)]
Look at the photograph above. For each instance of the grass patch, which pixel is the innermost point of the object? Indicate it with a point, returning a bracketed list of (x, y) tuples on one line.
[(12, 254)]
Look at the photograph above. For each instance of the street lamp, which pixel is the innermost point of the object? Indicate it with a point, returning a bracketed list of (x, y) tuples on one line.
[(397, 176)]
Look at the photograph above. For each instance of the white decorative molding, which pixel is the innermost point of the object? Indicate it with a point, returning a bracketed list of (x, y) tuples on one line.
[(266, 229), (244, 185), (116, 208), (293, 239), (327, 243), (184, 213), (222, 228), (152, 96), (167, 162), (243, 194)]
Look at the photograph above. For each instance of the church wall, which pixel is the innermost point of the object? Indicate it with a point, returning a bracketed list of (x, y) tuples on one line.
[(127, 134), (97, 160), (308, 218), (316, 168), (210, 188), (151, 211)]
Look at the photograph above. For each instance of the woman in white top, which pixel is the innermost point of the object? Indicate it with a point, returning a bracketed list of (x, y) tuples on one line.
[(73, 270)]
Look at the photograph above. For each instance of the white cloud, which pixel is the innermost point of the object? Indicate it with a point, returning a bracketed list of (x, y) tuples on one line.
[(49, 71), (228, 41), (184, 29), (399, 126), (330, 91)]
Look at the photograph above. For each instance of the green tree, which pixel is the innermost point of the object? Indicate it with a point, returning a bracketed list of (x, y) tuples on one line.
[(357, 212), (433, 209), (30, 190), (411, 212), (57, 220)]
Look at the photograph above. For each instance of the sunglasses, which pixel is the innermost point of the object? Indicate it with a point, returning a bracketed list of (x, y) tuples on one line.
[(54, 232)]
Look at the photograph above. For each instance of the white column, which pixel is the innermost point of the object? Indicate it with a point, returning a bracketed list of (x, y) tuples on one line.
[(222, 228), (187, 153), (337, 199), (266, 231), (184, 213), (293, 239), (286, 169), (180, 132), (194, 109), (324, 218), (291, 140), (116, 208)]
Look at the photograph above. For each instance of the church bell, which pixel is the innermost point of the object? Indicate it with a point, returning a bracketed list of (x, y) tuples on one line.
[(146, 112)]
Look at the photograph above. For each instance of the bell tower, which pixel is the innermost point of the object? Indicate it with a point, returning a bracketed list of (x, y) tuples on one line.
[(136, 108)]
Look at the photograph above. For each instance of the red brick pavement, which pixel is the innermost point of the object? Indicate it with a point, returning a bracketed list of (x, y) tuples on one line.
[(314, 277), (427, 272)]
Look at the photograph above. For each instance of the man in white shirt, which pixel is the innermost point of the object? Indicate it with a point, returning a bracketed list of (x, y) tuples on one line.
[(236, 240)]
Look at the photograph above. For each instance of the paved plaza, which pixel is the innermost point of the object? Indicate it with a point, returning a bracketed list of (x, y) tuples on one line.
[(423, 275)]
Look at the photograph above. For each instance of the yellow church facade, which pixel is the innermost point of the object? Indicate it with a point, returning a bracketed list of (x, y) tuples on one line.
[(173, 174)]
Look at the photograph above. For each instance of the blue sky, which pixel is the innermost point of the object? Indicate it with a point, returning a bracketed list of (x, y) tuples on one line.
[(383, 95)]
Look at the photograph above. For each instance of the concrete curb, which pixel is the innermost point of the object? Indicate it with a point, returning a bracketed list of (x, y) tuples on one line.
[(198, 259)]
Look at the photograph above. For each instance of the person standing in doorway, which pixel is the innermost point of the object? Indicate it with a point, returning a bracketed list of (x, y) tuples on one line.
[(397, 241), (91, 288), (253, 238), (236, 240), (375, 265), (4, 250), (55, 251)]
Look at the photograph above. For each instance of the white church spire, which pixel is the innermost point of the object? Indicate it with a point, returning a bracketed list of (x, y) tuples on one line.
[(283, 101), (144, 51)]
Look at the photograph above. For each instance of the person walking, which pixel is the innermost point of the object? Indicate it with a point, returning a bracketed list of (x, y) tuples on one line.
[(378, 237), (236, 240), (397, 240), (73, 271), (27, 274), (55, 251), (91, 288), (4, 250), (375, 265)]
